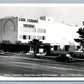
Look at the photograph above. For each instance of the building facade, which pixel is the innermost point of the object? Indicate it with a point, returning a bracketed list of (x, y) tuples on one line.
[(21, 29), (44, 28)]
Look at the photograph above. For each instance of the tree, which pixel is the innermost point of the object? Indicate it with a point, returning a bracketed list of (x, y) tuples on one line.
[(35, 44), (81, 36)]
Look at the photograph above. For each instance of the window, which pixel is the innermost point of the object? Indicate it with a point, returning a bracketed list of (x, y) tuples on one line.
[(26, 30), (41, 37), (48, 19), (43, 18), (31, 37), (28, 37), (32, 20), (20, 36), (24, 37), (28, 25), (22, 19), (41, 31)]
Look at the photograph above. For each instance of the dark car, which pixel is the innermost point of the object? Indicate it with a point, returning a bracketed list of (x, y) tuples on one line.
[(65, 58)]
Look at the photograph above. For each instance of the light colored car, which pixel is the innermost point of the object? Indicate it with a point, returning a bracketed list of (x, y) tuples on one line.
[(41, 54), (30, 53)]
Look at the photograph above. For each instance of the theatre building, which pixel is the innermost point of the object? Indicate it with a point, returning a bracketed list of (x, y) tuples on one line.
[(46, 29), (21, 29)]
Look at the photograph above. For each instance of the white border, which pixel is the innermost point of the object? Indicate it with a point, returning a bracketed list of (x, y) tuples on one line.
[(41, 78), (40, 5)]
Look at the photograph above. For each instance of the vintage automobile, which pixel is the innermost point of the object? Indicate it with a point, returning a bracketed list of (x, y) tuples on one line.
[(41, 54), (65, 58)]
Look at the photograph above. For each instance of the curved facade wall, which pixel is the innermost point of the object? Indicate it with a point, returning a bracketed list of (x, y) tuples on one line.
[(9, 29)]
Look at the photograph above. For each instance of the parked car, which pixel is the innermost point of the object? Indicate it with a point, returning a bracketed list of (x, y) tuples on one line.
[(65, 58), (2, 52), (41, 54)]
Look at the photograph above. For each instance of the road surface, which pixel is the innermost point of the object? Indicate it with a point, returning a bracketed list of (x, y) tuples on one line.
[(17, 65)]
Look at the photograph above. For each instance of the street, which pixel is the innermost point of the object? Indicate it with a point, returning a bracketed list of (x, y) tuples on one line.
[(17, 65)]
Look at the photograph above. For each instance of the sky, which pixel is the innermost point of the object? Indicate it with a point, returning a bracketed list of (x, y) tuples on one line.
[(70, 14)]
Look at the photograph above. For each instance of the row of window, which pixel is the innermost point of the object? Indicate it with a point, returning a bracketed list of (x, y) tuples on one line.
[(33, 26), (30, 37), (28, 20), (29, 25), (28, 30), (22, 19), (41, 30), (43, 18), (41, 37), (32, 20)]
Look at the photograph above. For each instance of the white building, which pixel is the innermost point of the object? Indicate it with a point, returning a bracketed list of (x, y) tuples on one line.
[(44, 28), (59, 33), (21, 29)]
